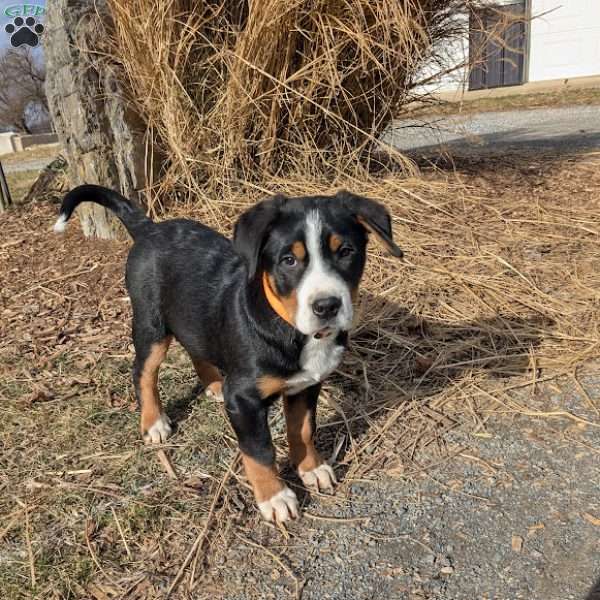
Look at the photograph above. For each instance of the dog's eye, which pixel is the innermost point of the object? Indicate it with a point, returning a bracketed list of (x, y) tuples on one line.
[(345, 251), (288, 261)]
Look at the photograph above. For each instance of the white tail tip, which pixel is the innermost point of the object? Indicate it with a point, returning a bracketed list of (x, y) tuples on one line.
[(61, 224)]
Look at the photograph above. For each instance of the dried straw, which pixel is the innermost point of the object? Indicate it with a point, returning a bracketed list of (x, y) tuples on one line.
[(238, 93)]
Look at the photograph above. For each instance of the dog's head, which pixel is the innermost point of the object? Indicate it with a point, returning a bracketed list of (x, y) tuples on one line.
[(310, 254)]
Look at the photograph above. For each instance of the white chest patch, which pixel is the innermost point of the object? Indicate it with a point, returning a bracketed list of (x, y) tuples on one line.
[(319, 358)]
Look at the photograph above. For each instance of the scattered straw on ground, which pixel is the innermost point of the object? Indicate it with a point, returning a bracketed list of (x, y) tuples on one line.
[(499, 291)]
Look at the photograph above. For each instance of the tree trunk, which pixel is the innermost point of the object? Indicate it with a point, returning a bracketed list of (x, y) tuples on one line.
[(103, 139)]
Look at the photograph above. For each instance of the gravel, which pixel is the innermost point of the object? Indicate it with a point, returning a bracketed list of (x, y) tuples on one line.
[(450, 533)]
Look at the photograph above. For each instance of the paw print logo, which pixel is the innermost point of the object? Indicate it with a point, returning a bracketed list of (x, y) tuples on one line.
[(24, 32)]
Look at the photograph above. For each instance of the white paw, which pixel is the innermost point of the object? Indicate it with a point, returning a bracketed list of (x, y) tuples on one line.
[(160, 431), (283, 506), (323, 478)]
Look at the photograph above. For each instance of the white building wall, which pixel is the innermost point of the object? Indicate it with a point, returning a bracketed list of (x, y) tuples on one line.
[(451, 71), (564, 39), (455, 57), (564, 42)]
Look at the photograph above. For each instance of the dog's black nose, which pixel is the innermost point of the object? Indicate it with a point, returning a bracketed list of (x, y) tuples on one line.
[(326, 308)]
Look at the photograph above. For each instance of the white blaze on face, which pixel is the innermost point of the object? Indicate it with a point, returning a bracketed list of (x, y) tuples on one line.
[(318, 282)]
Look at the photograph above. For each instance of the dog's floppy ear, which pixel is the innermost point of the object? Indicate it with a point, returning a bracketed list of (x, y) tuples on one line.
[(251, 230), (373, 216)]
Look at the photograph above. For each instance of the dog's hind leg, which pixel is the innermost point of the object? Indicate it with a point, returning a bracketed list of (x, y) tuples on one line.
[(210, 376), (150, 350)]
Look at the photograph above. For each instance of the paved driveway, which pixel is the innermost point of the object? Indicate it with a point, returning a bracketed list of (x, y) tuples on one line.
[(569, 129)]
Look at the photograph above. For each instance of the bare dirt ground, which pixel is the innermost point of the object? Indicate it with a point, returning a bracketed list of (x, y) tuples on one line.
[(473, 474)]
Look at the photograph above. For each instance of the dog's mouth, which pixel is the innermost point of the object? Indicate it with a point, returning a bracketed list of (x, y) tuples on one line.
[(323, 333)]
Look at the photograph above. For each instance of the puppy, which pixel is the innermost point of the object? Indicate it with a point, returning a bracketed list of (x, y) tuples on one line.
[(270, 311)]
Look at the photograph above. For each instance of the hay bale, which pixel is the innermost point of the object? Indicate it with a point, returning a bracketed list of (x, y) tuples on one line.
[(238, 91)]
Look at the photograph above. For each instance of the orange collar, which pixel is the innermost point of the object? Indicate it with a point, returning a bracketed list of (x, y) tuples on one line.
[(274, 301)]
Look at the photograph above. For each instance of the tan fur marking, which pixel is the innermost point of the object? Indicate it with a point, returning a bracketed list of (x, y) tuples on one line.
[(299, 250), (149, 399), (303, 453), (209, 375), (335, 241), (216, 388), (284, 306), (268, 385), (290, 304), (263, 478)]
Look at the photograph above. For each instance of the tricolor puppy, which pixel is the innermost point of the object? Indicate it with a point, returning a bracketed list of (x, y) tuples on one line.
[(270, 311)]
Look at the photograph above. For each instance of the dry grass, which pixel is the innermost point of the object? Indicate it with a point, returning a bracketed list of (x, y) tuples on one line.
[(19, 183), (559, 98), (234, 94), (39, 184), (41, 151), (499, 292)]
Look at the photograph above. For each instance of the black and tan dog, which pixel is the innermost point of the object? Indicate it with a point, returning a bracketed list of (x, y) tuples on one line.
[(271, 311)]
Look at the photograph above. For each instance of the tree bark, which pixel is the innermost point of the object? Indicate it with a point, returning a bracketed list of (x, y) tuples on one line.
[(103, 139)]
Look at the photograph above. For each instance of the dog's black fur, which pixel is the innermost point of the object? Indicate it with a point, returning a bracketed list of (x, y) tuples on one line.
[(189, 282)]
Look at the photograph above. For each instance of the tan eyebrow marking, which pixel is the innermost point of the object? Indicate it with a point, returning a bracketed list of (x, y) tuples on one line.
[(335, 241), (299, 250)]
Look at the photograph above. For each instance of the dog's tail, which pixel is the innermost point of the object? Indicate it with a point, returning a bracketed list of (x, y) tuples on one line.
[(128, 213)]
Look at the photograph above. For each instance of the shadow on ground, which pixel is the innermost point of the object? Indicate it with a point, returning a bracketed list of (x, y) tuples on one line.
[(516, 140), (411, 360)]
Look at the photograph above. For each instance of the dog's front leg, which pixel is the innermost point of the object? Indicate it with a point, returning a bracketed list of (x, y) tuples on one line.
[(300, 415), (248, 414)]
